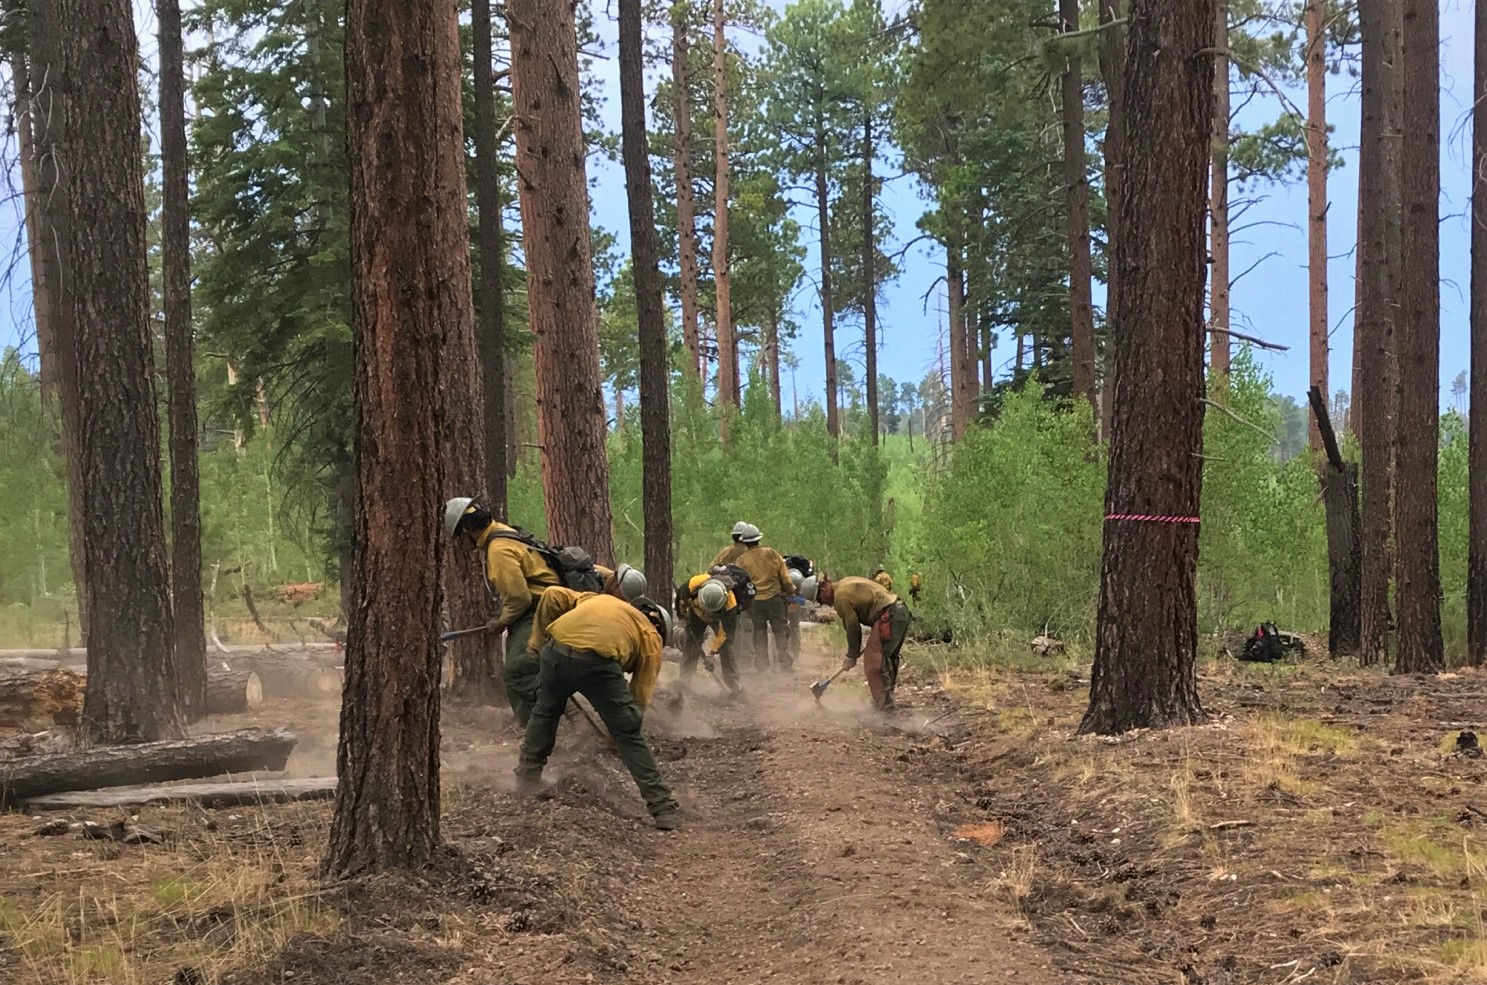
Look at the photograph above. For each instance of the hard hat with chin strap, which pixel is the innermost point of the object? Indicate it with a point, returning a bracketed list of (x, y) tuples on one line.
[(712, 596), (631, 582), (659, 618)]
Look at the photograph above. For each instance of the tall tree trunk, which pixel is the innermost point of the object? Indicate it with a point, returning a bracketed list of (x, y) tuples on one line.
[(1355, 406), (133, 692), (772, 364), (1076, 208), (1476, 578), (36, 240), (1417, 437), (410, 256), (1378, 184), (1344, 546), (686, 208), (180, 370), (645, 251), (869, 277), (49, 128), (550, 156), (728, 385), (823, 220), (1316, 187), (1147, 636), (1218, 209), (1112, 69), (959, 384), (489, 290)]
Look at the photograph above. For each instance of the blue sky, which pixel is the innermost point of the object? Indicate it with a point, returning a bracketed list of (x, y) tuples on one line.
[(1270, 301)]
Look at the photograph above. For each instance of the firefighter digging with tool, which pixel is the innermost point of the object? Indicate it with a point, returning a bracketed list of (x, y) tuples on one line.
[(862, 602), (772, 586), (585, 644), (704, 603)]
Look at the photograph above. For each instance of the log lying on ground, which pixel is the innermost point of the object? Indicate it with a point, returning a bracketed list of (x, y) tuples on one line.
[(238, 793), (286, 675), (232, 691), (78, 656), (40, 699), (245, 751)]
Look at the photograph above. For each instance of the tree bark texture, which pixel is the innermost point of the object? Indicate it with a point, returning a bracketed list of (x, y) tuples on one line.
[(489, 289), (728, 385), (180, 369), (1147, 627), (962, 355), (1112, 69), (869, 277), (828, 325), (1076, 217), (772, 362), (133, 691), (550, 154), (243, 751), (1378, 186), (1344, 540), (1476, 578), (410, 302), (1218, 208), (1417, 435), (42, 699), (49, 129), (645, 252), (686, 207), (1316, 196)]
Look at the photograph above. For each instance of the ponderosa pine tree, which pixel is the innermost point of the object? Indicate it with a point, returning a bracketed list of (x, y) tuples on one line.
[(1147, 639), (489, 289), (1316, 198), (1076, 216), (1218, 205), (1476, 583)]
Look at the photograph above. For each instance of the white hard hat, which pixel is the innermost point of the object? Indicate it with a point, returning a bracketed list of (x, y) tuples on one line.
[(741, 530), (454, 512), (655, 613), (631, 582), (712, 596), (808, 588), (796, 579), (751, 535)]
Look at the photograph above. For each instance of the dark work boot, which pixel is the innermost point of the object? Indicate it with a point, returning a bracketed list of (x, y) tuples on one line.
[(667, 820)]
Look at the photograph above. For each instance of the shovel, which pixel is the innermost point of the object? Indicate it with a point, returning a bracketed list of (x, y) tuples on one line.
[(819, 688)]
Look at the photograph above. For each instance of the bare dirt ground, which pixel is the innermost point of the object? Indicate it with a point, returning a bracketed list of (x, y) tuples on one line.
[(1323, 828)]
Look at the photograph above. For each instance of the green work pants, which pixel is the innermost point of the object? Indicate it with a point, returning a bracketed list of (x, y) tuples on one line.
[(520, 671), (692, 646), (770, 617), (565, 673)]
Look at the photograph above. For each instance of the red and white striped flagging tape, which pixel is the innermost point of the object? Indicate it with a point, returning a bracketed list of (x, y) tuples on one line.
[(1147, 518)]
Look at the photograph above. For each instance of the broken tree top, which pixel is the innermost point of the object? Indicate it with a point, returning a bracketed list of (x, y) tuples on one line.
[(243, 751)]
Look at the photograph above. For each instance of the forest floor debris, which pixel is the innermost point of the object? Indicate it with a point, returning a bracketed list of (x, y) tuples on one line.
[(1323, 827)]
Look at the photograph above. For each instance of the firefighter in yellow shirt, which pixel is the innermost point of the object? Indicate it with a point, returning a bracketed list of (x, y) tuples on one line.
[(862, 602), (586, 644), (772, 586), (703, 603)]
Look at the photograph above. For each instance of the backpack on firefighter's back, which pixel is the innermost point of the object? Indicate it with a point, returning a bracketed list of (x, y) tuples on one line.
[(738, 582), (574, 566)]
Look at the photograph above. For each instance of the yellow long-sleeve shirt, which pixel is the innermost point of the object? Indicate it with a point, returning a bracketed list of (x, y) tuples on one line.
[(885, 579), (859, 602), (766, 568), (711, 618), (606, 626), (516, 573)]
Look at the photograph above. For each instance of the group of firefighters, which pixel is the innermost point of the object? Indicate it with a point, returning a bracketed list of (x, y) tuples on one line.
[(563, 640)]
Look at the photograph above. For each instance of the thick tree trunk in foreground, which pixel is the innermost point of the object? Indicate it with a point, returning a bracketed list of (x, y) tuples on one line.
[(1344, 542), (1378, 188), (645, 251), (686, 208), (1076, 217), (133, 691), (1147, 631), (1476, 578), (411, 299), (550, 155), (489, 288), (728, 386), (1218, 208), (1417, 438), (1112, 69), (180, 370), (1316, 187), (244, 751)]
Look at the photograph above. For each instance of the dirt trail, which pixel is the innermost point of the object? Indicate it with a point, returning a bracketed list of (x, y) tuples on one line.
[(817, 849)]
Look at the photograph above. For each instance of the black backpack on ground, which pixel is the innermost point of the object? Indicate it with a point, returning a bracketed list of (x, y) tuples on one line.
[(738, 582), (1264, 645), (801, 564), (574, 566)]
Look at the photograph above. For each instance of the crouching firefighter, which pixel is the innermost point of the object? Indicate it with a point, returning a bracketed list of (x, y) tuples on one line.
[(863, 602), (585, 644), (704, 603)]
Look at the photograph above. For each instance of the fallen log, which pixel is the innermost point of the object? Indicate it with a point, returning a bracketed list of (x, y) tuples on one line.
[(245, 751), (325, 652), (237, 793), (40, 699), (232, 691), (287, 675)]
